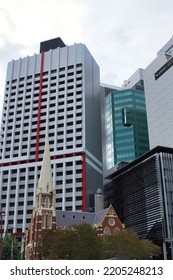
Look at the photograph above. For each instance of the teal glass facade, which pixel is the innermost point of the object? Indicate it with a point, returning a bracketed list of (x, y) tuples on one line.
[(126, 126)]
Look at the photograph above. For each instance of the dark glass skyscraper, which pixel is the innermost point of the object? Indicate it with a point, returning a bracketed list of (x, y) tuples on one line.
[(125, 125), (141, 194)]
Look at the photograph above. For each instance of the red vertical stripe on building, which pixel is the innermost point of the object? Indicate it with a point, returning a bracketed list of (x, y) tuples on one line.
[(83, 182), (39, 108)]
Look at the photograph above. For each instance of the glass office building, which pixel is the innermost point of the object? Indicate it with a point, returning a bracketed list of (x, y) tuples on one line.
[(126, 131), (142, 195)]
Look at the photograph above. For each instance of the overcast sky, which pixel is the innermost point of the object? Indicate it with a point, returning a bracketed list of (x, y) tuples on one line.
[(122, 35)]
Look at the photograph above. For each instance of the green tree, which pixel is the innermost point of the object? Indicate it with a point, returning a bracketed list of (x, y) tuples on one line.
[(64, 245), (46, 242), (88, 244), (11, 248), (75, 243), (83, 243), (127, 245)]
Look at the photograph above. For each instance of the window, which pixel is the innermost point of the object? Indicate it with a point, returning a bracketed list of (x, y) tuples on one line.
[(12, 204), (29, 203), (70, 80), (53, 71), (69, 172), (68, 208), (58, 199), (59, 182), (107, 231), (43, 221), (21, 203), (59, 191), (78, 180), (69, 108), (69, 163), (46, 202), (69, 190), (49, 222), (69, 181)]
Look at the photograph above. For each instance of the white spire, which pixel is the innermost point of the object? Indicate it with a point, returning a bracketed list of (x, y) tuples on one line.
[(45, 184)]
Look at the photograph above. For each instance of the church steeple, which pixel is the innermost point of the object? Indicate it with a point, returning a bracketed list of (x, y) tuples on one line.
[(45, 191), (44, 215), (45, 184)]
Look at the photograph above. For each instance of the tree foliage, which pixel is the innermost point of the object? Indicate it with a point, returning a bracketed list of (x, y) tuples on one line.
[(127, 245), (11, 248), (75, 243), (83, 243)]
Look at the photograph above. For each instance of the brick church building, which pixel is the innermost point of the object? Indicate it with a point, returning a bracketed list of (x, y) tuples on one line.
[(44, 215)]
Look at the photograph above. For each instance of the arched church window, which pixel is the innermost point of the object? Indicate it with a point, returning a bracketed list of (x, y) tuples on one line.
[(47, 202), (116, 229), (42, 202), (107, 230), (49, 221), (43, 221)]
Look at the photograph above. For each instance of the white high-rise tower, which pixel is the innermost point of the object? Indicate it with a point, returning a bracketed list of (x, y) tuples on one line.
[(55, 92)]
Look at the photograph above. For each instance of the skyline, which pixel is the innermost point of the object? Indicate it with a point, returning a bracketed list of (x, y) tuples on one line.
[(122, 37)]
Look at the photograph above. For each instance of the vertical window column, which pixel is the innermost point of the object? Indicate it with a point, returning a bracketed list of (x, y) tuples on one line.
[(39, 108), (83, 182)]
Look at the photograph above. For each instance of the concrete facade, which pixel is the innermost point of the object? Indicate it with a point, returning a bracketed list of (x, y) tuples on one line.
[(54, 93), (159, 98)]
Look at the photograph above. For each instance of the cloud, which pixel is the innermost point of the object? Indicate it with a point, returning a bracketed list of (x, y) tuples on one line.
[(6, 22), (8, 51), (121, 35)]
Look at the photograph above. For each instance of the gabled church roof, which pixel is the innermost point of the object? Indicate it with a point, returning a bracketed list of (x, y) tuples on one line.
[(99, 216), (72, 218), (45, 184)]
